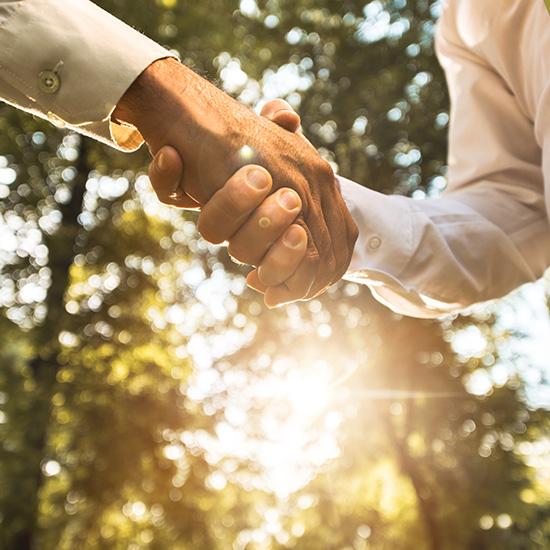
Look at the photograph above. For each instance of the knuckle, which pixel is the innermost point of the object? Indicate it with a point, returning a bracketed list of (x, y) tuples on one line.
[(278, 265), (325, 169), (272, 275), (233, 203)]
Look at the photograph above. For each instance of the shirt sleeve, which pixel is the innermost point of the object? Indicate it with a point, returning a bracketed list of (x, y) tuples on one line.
[(489, 232), (70, 61)]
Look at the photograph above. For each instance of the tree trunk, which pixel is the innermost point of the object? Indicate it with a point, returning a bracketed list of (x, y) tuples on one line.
[(45, 366), (426, 503)]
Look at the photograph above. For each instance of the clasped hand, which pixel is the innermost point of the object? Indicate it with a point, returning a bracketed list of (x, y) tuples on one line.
[(258, 226), (258, 183)]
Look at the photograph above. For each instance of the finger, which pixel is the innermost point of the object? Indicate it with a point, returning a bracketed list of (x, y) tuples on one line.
[(165, 174), (230, 206), (284, 257), (282, 114), (265, 226), (297, 286), (253, 281)]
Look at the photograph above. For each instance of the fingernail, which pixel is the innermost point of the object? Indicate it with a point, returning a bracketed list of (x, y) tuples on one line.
[(278, 112), (293, 237), (256, 179), (162, 165), (289, 200)]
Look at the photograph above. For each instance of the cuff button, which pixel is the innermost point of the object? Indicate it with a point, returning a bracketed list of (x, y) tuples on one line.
[(49, 82), (375, 242)]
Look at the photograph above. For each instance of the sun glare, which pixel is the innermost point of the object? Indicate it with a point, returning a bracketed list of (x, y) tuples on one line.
[(309, 390), (298, 439), (286, 421)]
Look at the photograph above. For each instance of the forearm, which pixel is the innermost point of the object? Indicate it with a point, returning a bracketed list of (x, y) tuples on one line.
[(489, 233), (426, 258)]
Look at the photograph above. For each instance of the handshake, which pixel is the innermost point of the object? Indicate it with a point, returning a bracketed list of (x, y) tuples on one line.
[(259, 184)]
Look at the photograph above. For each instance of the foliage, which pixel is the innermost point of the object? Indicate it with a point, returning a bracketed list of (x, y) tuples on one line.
[(148, 400)]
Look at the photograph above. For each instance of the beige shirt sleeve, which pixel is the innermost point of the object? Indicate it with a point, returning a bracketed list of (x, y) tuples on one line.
[(70, 61), (489, 232)]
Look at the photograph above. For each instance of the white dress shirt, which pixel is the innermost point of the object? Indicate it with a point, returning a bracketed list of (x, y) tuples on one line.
[(489, 232), (71, 62), (93, 56)]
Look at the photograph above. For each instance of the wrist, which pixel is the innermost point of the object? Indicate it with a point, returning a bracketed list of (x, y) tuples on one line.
[(150, 98)]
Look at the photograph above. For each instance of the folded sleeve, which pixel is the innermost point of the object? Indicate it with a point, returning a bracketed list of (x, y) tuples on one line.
[(70, 61), (488, 233)]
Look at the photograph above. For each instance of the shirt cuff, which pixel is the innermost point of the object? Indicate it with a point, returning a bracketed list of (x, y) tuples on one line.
[(70, 62), (384, 249), (383, 220)]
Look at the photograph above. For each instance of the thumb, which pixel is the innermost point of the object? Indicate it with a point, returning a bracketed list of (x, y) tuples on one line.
[(166, 174)]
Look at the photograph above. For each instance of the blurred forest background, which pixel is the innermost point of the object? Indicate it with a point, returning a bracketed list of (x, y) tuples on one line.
[(148, 400)]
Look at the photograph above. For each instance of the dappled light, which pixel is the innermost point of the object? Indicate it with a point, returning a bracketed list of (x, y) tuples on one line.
[(149, 400)]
